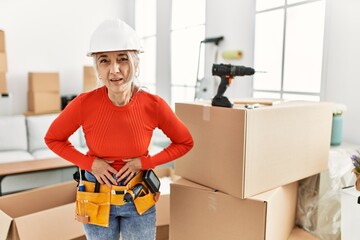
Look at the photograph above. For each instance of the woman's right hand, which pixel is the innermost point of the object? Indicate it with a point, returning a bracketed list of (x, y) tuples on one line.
[(103, 172)]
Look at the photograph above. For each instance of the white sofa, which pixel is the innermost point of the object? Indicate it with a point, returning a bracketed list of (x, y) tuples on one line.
[(22, 139)]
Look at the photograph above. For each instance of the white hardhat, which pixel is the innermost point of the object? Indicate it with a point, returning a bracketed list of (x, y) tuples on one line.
[(114, 35)]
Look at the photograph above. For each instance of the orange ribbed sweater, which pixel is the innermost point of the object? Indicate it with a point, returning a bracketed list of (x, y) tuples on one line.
[(116, 133)]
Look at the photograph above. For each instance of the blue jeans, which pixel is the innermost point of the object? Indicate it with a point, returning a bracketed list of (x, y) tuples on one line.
[(124, 221)]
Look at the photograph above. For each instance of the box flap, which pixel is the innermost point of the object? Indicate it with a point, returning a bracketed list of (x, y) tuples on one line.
[(187, 183), (262, 101), (38, 199), (5, 221), (44, 225)]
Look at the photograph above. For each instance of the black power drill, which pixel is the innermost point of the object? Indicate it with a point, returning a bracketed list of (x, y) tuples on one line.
[(227, 72)]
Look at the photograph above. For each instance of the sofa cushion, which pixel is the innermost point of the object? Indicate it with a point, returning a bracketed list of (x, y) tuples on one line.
[(37, 128), (43, 154), (13, 134), (47, 153), (15, 156)]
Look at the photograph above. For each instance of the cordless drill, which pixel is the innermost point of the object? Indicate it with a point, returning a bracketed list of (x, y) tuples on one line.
[(227, 72)]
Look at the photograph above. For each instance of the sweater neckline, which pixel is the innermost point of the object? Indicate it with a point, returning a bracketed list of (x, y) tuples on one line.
[(124, 107)]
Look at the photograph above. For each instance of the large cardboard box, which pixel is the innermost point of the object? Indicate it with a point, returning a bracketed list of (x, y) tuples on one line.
[(48, 213), (199, 212), (3, 84), (350, 213), (44, 81), (2, 41), (3, 62), (43, 102), (42, 214), (244, 152), (90, 80)]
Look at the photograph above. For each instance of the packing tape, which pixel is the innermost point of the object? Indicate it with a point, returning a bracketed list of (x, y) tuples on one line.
[(231, 54)]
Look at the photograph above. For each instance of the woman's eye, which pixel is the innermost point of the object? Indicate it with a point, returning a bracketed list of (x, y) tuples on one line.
[(103, 60), (123, 59)]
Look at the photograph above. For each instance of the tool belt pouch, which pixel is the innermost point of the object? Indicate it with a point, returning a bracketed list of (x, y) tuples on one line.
[(93, 208), (144, 203)]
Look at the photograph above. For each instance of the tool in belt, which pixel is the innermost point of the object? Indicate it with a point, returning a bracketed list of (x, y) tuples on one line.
[(93, 200)]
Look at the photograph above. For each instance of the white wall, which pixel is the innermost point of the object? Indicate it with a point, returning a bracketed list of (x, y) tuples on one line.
[(342, 64), (235, 20), (45, 36)]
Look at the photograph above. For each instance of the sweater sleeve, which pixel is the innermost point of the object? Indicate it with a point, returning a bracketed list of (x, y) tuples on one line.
[(57, 136), (176, 131)]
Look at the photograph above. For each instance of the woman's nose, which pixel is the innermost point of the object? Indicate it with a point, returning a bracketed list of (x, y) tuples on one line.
[(115, 68)]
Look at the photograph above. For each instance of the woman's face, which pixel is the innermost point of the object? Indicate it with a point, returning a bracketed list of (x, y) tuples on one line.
[(114, 69)]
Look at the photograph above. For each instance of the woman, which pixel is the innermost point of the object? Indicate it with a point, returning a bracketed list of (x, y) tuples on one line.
[(118, 120)]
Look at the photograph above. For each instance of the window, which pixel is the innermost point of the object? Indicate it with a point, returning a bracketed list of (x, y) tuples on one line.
[(289, 47), (187, 31), (145, 25)]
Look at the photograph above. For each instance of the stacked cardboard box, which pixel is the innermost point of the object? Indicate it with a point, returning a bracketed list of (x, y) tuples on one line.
[(90, 80), (3, 64), (241, 176), (44, 92), (5, 97)]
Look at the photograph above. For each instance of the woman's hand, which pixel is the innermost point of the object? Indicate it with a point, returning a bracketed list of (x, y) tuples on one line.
[(129, 170), (103, 172)]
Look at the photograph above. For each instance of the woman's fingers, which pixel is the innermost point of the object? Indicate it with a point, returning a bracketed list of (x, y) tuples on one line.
[(104, 172)]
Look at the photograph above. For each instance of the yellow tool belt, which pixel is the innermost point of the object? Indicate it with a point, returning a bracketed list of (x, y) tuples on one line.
[(94, 207)]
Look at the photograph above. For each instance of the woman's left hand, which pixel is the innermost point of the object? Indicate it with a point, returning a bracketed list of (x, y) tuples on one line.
[(129, 170)]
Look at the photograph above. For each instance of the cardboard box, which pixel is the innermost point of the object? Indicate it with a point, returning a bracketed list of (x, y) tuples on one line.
[(244, 152), (198, 212), (163, 204), (43, 102), (48, 213), (44, 82), (3, 62), (90, 79), (2, 41), (350, 213), (44, 213), (3, 84)]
